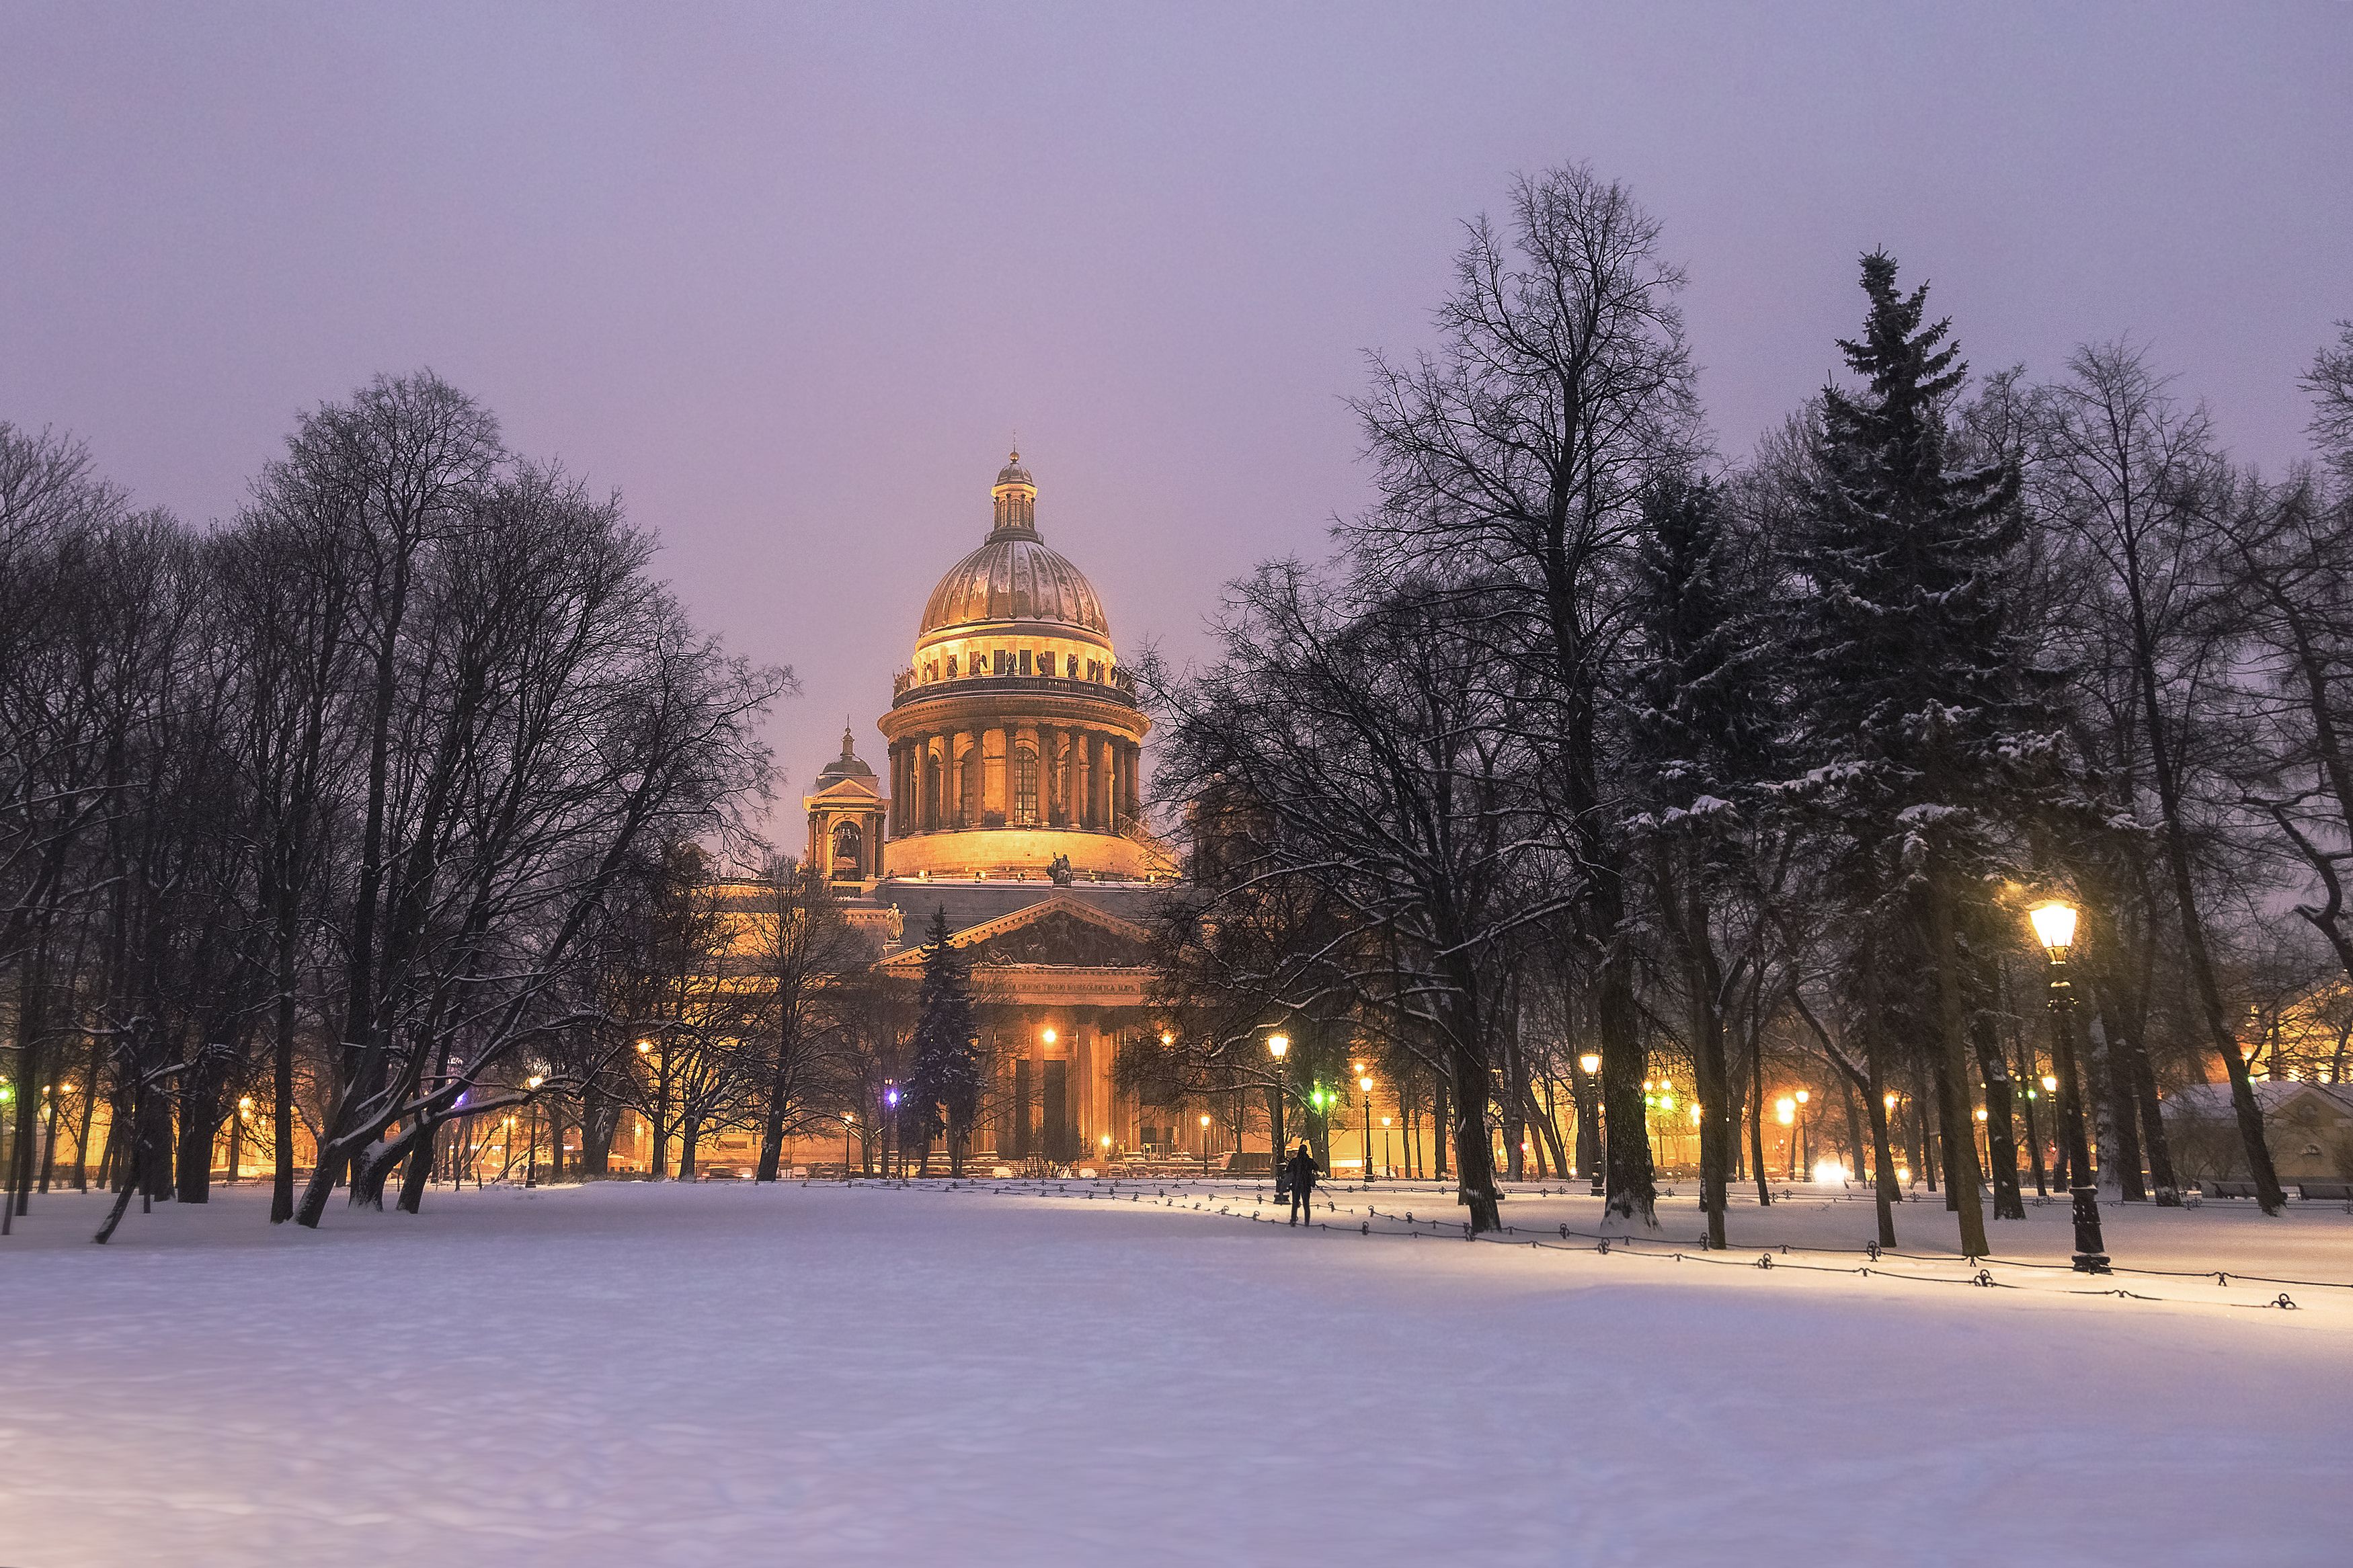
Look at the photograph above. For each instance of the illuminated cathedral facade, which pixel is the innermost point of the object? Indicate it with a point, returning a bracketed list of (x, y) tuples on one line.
[(1011, 803)]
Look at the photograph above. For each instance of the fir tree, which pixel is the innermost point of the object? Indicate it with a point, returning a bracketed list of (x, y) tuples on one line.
[(1918, 722), (942, 1091), (1701, 734), (1705, 714)]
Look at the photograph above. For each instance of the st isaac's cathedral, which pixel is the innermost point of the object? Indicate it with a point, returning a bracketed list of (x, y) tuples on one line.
[(1012, 803)]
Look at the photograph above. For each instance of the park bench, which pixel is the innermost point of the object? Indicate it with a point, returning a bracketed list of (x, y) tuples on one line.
[(2229, 1189), (2325, 1191)]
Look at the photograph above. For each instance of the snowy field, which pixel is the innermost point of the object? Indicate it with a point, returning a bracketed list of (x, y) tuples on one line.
[(653, 1376)]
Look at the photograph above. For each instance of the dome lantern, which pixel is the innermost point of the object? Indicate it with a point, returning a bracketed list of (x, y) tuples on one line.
[(1016, 494)]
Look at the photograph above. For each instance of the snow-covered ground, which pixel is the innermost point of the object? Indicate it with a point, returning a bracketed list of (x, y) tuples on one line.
[(652, 1375)]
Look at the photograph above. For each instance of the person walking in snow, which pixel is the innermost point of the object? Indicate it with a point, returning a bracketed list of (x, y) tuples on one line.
[(1300, 1172)]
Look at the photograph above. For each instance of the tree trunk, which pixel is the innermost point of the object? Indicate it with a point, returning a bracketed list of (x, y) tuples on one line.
[(417, 1174), (2124, 1106), (599, 1120), (2176, 834), (1473, 1157), (1757, 1122), (1855, 1152), (1886, 1192), (2002, 1137), (31, 1022), (1633, 1180)]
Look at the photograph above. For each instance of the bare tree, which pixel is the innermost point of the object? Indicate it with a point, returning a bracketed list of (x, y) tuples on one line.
[(1515, 458), (2133, 477)]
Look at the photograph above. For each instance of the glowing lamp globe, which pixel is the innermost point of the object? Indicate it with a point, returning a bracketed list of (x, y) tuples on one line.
[(1278, 1045), (1590, 1062), (2054, 926)]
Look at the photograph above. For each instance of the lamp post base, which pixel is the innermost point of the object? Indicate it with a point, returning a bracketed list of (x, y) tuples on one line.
[(2091, 1250)]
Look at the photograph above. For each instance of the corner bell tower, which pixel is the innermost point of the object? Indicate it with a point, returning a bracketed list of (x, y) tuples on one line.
[(848, 813)]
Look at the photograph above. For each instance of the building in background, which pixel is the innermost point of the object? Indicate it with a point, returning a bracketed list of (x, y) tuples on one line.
[(1012, 804)]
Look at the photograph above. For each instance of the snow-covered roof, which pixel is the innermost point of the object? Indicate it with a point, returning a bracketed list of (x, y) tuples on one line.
[(2272, 1097)]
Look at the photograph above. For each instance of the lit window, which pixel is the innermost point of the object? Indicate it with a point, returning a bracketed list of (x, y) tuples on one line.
[(1025, 787)]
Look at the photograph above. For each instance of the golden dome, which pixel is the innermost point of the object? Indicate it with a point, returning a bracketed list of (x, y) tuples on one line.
[(1014, 577)]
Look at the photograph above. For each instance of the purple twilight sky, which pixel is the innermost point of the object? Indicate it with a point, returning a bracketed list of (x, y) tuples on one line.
[(790, 277)]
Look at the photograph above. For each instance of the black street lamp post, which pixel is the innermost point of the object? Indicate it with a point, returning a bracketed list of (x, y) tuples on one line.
[(2054, 924), (1279, 1047), (1365, 1087), (1588, 1132)]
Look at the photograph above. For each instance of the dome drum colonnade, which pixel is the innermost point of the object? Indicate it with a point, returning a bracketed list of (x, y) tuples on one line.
[(1015, 738)]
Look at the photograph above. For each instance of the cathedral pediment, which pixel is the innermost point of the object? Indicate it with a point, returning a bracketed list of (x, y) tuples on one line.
[(1058, 932)]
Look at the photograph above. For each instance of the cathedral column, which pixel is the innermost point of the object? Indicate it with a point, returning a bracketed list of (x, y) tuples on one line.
[(1082, 777), (1048, 809), (976, 787), (1134, 778), (1104, 784), (1082, 1084), (1063, 816)]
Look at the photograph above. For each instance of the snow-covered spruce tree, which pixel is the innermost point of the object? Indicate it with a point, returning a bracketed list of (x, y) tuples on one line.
[(942, 1089), (1702, 740), (1917, 727)]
